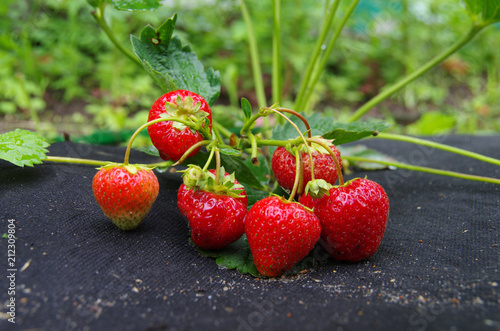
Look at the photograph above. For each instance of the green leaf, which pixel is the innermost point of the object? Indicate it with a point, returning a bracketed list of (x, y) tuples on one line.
[(235, 256), (244, 173), (239, 256), (150, 150), (432, 123), (347, 132), (229, 151), (172, 65), (261, 171), (94, 3), (365, 152), (254, 195), (23, 148), (329, 129), (483, 12), (135, 5), (247, 108)]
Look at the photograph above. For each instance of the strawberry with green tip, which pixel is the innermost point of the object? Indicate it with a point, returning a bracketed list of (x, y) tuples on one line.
[(172, 138), (125, 193), (280, 234), (284, 165), (215, 212), (353, 218)]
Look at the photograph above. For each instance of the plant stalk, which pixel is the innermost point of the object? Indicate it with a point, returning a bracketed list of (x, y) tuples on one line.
[(73, 160), (398, 137), (319, 69), (276, 64), (327, 23), (218, 175), (425, 169), (190, 150), (254, 54), (99, 17), (298, 176), (474, 30), (334, 157)]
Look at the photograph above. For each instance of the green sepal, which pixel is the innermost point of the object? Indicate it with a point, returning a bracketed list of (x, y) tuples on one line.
[(131, 168), (314, 147), (194, 177), (317, 188), (226, 186), (284, 200), (185, 110)]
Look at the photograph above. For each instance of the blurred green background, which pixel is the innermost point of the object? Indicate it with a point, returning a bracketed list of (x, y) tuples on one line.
[(61, 76)]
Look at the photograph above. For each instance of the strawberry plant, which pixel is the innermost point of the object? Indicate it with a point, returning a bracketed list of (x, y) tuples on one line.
[(270, 194)]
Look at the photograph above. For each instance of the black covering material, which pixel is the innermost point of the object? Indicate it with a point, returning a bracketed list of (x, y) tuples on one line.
[(437, 267)]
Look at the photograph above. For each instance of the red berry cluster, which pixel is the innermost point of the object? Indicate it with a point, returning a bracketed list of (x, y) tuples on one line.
[(348, 220)]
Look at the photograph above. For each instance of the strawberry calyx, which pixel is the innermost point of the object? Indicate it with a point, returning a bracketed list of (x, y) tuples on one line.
[(227, 185), (314, 147), (317, 188), (131, 168), (285, 201), (196, 178), (297, 144), (185, 110)]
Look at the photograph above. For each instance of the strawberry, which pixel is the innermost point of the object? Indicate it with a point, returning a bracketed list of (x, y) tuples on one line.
[(353, 218), (125, 193), (280, 234), (215, 212), (171, 138), (284, 165)]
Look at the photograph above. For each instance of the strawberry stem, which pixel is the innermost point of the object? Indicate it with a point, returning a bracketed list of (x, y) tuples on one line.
[(428, 143), (190, 150), (217, 167), (210, 157), (145, 125), (302, 118), (60, 159), (99, 17), (425, 169), (298, 175), (300, 134), (254, 153), (134, 135), (335, 160)]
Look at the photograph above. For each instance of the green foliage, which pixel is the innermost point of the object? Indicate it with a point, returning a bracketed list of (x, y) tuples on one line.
[(368, 153), (374, 56), (135, 5), (433, 123), (235, 256), (23, 148), (173, 66), (341, 133), (484, 12), (247, 108), (43, 40)]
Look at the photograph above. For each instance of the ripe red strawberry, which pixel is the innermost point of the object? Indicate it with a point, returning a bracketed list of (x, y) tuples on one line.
[(353, 218), (173, 139), (280, 234), (215, 213), (283, 164), (125, 193)]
